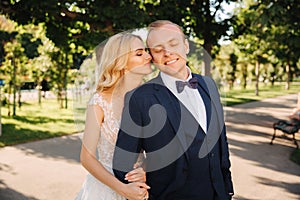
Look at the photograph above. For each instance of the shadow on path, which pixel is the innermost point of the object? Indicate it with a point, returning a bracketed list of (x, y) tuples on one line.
[(7, 193), (250, 129), (289, 187), (66, 148)]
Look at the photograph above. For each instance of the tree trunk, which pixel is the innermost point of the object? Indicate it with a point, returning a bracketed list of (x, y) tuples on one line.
[(66, 82), (244, 72), (60, 98), (8, 98), (288, 78), (14, 86), (207, 59), (257, 78), (19, 97), (39, 92)]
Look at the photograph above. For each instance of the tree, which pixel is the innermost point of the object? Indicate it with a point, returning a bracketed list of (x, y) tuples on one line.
[(251, 36), (283, 20), (87, 23), (15, 61), (84, 23), (272, 29), (76, 26), (24, 54)]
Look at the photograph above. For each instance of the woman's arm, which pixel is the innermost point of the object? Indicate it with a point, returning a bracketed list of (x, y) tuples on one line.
[(88, 159), (136, 190)]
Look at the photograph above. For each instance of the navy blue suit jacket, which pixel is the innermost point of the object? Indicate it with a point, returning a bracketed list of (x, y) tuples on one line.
[(158, 125)]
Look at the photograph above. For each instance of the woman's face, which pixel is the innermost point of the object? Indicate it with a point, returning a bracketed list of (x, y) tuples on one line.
[(139, 59)]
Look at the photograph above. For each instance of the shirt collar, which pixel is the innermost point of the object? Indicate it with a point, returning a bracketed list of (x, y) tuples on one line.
[(169, 81)]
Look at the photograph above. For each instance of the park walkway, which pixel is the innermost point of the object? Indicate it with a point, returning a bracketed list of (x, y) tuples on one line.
[(50, 169)]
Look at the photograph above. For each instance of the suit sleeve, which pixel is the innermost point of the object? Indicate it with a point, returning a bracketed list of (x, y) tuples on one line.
[(225, 162), (128, 144)]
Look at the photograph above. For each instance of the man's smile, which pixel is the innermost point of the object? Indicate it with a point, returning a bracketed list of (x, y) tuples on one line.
[(171, 61)]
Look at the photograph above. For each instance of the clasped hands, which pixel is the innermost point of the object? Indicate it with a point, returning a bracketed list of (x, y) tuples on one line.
[(137, 189)]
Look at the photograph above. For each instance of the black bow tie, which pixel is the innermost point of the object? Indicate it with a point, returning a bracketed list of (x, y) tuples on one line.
[(192, 83)]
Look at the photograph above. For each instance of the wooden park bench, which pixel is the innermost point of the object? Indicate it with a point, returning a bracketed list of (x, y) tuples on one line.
[(289, 127)]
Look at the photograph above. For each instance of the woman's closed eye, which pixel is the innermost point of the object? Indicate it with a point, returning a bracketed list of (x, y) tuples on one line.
[(140, 52)]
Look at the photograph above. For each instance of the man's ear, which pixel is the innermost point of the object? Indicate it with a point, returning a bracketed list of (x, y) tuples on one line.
[(187, 46)]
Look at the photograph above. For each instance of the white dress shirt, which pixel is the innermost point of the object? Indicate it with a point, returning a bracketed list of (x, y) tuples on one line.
[(190, 98)]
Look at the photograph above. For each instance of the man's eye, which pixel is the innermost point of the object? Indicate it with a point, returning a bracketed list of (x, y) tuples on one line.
[(157, 50), (174, 44)]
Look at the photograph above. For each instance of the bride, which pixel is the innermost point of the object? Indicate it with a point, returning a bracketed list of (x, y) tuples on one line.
[(123, 64)]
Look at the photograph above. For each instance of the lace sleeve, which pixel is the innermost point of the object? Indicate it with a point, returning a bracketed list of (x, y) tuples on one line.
[(94, 118)]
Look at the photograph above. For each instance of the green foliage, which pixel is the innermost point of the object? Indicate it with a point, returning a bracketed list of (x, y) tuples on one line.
[(78, 59), (87, 23), (266, 35), (265, 32), (30, 46), (4, 38), (84, 23)]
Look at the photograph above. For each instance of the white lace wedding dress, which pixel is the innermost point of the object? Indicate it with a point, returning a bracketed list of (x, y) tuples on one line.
[(93, 189)]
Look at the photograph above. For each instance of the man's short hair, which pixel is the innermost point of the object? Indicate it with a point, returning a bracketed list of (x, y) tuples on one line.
[(160, 23)]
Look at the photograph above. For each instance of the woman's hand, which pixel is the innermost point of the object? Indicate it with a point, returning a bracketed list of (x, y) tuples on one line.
[(136, 175), (136, 191)]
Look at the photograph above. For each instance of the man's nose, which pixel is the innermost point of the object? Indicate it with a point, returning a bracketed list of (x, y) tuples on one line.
[(167, 52)]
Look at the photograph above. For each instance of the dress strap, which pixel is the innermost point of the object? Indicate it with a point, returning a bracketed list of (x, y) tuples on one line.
[(97, 99)]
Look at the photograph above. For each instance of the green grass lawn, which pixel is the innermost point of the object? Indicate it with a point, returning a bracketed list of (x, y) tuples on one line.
[(239, 95), (35, 122)]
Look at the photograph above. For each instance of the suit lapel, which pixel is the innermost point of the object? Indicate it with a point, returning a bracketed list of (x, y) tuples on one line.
[(205, 95), (215, 114), (172, 106), (211, 89)]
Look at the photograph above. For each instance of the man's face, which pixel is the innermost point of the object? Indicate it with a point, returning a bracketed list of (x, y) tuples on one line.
[(168, 49)]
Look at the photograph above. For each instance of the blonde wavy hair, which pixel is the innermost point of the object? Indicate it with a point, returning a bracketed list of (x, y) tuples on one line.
[(112, 59)]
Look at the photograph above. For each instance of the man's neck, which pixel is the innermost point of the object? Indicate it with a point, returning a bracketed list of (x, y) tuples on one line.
[(182, 75), (185, 74)]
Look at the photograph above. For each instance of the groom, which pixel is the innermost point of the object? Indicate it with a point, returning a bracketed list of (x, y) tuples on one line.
[(177, 119)]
